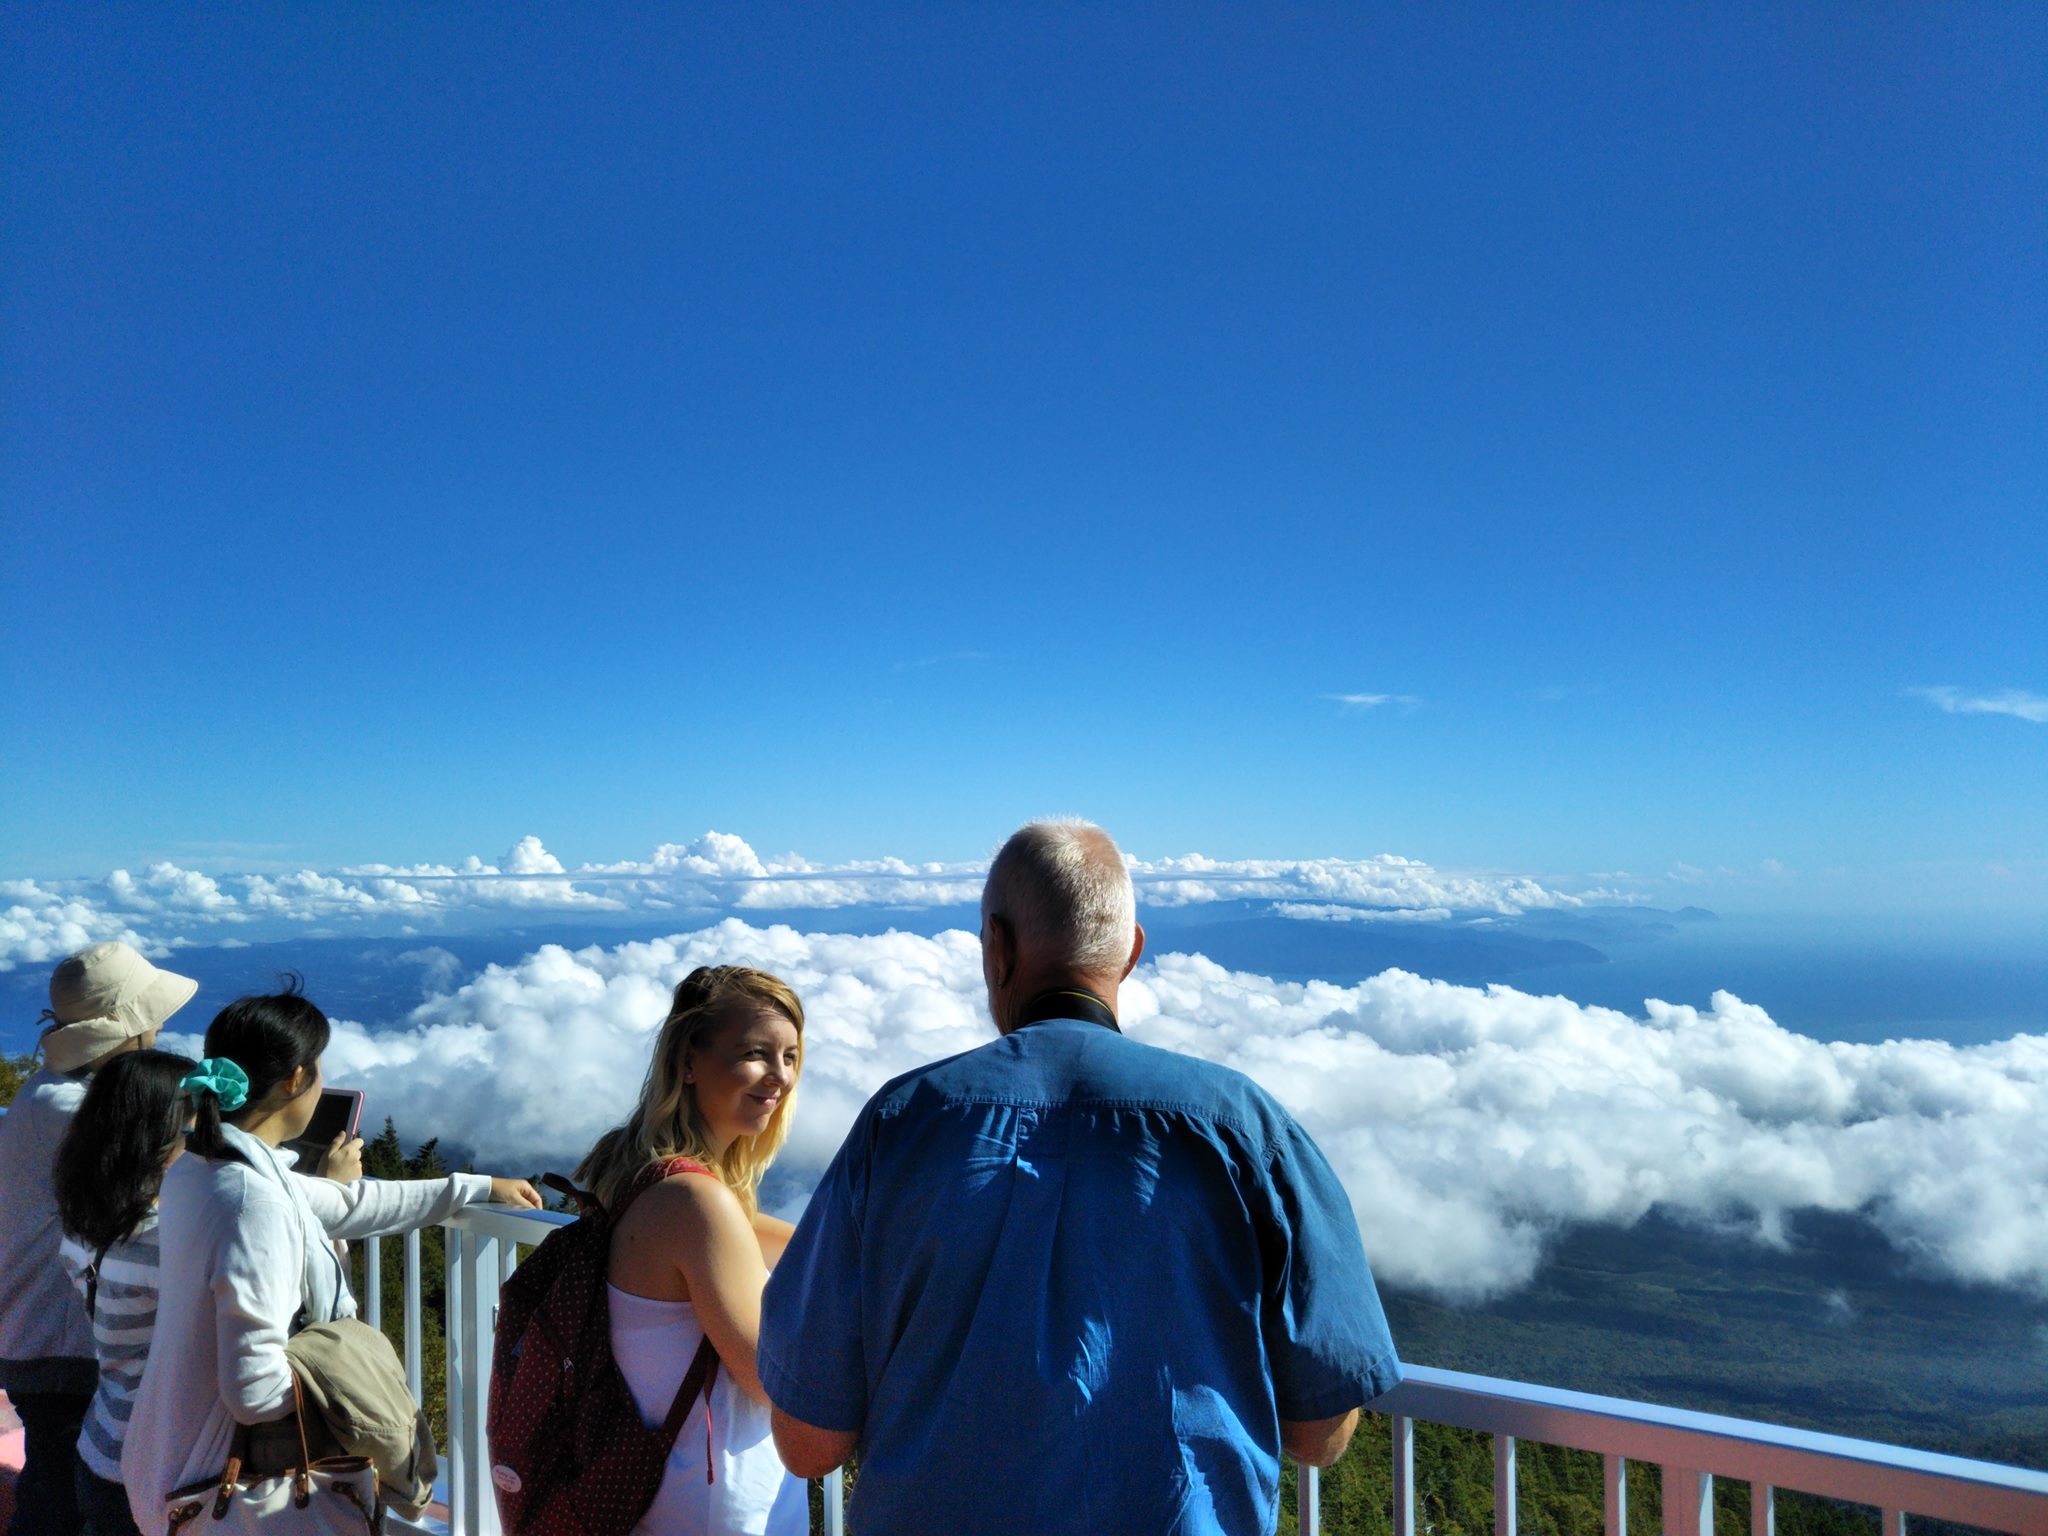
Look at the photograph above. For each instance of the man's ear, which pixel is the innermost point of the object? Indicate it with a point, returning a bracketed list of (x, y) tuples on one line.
[(999, 942), (1137, 949)]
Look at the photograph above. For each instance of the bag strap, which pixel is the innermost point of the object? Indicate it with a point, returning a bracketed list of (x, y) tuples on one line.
[(696, 1383), (92, 1285), (231, 1476), (238, 1456), (587, 1203), (302, 1482)]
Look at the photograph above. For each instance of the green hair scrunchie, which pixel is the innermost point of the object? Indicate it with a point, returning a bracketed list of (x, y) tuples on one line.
[(221, 1078)]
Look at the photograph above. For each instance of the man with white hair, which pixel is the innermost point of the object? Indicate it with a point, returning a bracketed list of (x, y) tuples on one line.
[(1066, 1281)]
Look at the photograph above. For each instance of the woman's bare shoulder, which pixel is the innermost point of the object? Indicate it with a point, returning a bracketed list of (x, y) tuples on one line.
[(687, 1204)]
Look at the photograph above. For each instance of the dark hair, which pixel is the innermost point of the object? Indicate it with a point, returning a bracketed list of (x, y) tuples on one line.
[(269, 1037), (111, 1161)]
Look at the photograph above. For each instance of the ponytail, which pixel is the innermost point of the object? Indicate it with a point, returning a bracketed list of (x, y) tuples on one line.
[(205, 1138)]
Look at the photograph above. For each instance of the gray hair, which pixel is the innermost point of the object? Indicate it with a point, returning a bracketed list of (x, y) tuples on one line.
[(1062, 885)]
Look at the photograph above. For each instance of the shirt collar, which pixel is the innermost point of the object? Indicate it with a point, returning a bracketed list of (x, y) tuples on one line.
[(1067, 1003)]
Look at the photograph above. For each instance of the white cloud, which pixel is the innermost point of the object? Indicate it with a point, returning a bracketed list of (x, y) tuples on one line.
[(1387, 884), (1370, 700), (439, 967), (1324, 912), (38, 924), (947, 658), (1468, 1124), (2017, 702), (717, 873), (166, 888)]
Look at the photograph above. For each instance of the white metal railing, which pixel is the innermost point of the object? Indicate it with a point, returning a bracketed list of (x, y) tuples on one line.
[(480, 1252), (1690, 1449)]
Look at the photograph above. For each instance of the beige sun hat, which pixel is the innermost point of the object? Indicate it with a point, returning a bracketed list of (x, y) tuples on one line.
[(103, 997)]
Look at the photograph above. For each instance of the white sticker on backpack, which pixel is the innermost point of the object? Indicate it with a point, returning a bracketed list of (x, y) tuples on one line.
[(506, 1478)]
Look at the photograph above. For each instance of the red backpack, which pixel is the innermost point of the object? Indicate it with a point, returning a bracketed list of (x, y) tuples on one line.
[(569, 1453)]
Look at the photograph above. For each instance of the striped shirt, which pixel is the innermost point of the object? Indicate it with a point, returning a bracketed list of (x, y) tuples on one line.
[(123, 1321)]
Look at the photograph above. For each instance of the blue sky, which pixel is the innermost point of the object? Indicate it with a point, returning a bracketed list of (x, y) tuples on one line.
[(859, 432)]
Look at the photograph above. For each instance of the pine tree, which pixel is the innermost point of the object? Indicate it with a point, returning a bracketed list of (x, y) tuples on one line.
[(383, 1158), (425, 1162)]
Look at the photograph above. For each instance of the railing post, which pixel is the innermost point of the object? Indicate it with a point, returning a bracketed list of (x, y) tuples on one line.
[(1763, 1510), (1688, 1502), (373, 1281), (835, 1502), (472, 1306), (1308, 1500), (412, 1311), (1404, 1475), (1503, 1485), (1614, 1470), (460, 1520)]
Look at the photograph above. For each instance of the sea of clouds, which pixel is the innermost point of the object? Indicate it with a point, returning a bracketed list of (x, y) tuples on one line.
[(166, 906), (1470, 1125)]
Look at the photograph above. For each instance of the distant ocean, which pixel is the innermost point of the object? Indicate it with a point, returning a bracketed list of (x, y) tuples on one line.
[(1823, 981)]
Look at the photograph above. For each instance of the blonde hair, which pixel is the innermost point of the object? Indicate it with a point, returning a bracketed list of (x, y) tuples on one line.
[(666, 1122)]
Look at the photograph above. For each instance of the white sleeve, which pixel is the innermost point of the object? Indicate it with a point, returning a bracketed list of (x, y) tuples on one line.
[(76, 1259), (378, 1207), (258, 1280)]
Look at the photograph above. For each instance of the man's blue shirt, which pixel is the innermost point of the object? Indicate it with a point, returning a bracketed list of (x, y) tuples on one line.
[(1069, 1282)]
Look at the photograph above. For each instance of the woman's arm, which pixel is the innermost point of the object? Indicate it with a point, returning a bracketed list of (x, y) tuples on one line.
[(258, 1286), (706, 1236), (378, 1207), (774, 1234)]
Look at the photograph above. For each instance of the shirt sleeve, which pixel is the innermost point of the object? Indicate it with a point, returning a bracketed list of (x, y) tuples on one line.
[(811, 1359), (1326, 1333), (379, 1207), (258, 1276), (76, 1259)]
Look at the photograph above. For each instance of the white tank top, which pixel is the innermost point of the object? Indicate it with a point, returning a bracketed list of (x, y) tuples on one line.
[(752, 1492)]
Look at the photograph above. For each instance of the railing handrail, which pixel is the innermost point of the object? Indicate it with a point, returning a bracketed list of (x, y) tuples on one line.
[(509, 1222), (1704, 1445), (1925, 1483), (1423, 1384)]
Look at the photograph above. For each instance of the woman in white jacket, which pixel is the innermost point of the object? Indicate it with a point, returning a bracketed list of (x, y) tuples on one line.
[(246, 1248)]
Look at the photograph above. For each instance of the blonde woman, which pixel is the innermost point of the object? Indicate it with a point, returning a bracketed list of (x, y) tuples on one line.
[(691, 1251)]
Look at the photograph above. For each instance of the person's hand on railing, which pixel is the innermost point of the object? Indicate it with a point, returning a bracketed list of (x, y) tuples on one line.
[(515, 1192)]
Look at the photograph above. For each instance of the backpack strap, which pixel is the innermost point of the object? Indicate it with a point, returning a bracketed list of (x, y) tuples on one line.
[(696, 1383), (586, 1202)]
